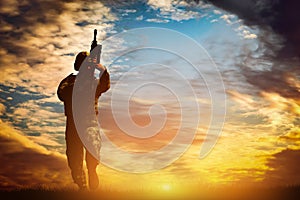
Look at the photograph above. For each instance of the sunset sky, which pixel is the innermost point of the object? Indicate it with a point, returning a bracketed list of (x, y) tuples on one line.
[(225, 73)]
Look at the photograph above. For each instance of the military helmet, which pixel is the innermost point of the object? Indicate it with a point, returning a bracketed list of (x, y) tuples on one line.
[(79, 59)]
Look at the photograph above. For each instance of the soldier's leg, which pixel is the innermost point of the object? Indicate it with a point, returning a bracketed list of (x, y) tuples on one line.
[(92, 164), (75, 155)]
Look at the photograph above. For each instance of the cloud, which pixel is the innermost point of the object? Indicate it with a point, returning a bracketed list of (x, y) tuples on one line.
[(281, 16), (227, 18), (271, 112), (39, 41), (248, 35), (269, 70), (165, 4), (2, 109), (36, 38), (178, 10), (26, 164), (293, 134), (245, 101), (26, 109), (157, 20), (217, 12), (274, 83), (10, 7), (285, 168), (276, 79)]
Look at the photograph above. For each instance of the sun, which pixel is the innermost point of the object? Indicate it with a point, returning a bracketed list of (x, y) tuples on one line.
[(166, 187)]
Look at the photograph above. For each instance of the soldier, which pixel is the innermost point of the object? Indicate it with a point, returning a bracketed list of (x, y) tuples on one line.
[(74, 145)]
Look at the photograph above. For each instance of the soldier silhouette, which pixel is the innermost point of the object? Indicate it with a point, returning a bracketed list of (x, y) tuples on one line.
[(74, 144)]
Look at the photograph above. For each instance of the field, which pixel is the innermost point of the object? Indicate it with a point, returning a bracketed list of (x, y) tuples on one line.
[(287, 192)]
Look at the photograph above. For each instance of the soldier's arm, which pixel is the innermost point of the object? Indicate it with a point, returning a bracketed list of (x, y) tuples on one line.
[(103, 84), (64, 90)]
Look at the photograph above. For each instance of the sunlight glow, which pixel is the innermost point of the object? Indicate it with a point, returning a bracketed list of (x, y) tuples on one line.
[(166, 187)]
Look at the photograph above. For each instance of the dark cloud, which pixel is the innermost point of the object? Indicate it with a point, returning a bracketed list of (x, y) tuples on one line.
[(25, 164), (282, 16), (275, 80), (22, 17), (285, 168), (39, 21), (278, 24)]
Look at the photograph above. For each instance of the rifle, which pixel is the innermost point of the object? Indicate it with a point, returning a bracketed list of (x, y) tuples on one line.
[(96, 48)]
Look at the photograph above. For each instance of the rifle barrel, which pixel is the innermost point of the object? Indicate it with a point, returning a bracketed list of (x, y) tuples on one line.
[(95, 34)]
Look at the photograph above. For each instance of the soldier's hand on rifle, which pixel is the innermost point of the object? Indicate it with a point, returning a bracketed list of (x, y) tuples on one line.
[(100, 67)]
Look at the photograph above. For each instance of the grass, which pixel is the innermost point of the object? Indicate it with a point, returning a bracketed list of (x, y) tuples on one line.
[(231, 192)]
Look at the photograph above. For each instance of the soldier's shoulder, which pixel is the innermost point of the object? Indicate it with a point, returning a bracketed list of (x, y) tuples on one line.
[(69, 79)]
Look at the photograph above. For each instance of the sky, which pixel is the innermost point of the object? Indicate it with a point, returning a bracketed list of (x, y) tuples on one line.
[(217, 84)]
